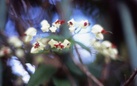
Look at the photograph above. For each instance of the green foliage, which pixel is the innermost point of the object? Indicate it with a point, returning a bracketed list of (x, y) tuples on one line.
[(82, 45), (56, 37), (42, 74), (61, 82)]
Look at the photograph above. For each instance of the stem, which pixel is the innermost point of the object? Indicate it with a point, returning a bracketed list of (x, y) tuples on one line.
[(87, 73), (130, 79), (71, 79), (78, 54)]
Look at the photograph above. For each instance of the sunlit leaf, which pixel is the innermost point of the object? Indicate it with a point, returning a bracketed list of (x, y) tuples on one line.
[(42, 74)]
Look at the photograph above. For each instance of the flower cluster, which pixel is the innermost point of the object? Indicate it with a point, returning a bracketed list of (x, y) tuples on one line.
[(45, 27), (104, 47)]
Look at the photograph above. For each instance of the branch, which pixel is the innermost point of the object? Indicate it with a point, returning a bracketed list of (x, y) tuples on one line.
[(130, 79), (87, 73), (78, 54)]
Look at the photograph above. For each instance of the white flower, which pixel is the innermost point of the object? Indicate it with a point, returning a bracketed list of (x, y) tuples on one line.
[(57, 23), (45, 26), (52, 42), (108, 49), (96, 29), (5, 51), (27, 38), (37, 46), (43, 40), (53, 29), (29, 33), (72, 23), (66, 43), (59, 45), (19, 53), (15, 41), (106, 44), (96, 44), (84, 24)]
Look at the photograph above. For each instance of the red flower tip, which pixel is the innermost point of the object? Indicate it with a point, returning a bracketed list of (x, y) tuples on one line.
[(60, 22), (5, 51), (59, 45), (104, 32), (113, 45), (36, 45)]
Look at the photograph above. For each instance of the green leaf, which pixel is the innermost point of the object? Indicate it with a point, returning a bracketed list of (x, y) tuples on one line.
[(56, 37), (42, 74), (61, 82), (82, 45)]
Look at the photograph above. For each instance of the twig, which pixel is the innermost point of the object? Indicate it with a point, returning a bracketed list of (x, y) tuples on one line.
[(87, 73), (78, 54), (73, 83), (130, 79)]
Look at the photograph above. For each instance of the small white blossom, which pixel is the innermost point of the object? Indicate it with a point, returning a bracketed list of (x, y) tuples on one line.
[(19, 53), (59, 45), (96, 29), (72, 23), (37, 46), (43, 40), (53, 29), (29, 34), (15, 41), (108, 49), (83, 24), (52, 42), (45, 26), (96, 44), (27, 38), (66, 43), (31, 31), (57, 23), (5, 51)]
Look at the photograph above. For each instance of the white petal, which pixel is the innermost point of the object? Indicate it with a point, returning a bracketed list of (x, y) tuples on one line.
[(53, 29), (19, 53), (96, 28), (28, 38), (113, 53), (52, 43), (34, 50), (31, 31), (15, 41), (45, 28), (99, 36), (66, 43), (44, 22), (73, 23), (106, 44)]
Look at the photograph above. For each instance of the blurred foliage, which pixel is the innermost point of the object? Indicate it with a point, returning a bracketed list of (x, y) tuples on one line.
[(54, 74)]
